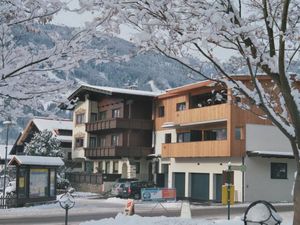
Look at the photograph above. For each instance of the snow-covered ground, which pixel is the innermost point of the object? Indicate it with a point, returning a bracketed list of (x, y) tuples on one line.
[(90, 203), (121, 219)]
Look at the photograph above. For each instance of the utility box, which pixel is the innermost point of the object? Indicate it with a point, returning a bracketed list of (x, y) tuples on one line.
[(225, 195)]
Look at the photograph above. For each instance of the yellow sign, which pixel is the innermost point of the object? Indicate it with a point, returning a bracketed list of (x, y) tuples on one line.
[(225, 195), (21, 182)]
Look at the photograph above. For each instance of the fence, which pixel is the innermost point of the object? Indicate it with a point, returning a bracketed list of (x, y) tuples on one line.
[(8, 202), (88, 178)]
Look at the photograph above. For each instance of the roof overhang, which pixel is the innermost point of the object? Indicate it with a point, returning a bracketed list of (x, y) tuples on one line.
[(270, 154), (85, 89)]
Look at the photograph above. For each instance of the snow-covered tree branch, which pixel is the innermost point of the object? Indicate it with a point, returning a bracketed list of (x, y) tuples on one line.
[(31, 53), (262, 37)]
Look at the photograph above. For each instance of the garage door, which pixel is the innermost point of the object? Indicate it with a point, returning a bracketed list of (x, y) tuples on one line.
[(200, 186), (179, 184)]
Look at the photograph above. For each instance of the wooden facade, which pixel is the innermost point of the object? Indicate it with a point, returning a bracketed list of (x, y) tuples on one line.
[(204, 117), (119, 126)]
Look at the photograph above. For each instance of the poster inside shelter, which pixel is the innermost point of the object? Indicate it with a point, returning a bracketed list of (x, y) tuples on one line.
[(38, 182)]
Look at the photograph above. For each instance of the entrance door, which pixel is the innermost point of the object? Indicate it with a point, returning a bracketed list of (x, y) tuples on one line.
[(180, 185), (218, 187), (200, 186), (160, 180)]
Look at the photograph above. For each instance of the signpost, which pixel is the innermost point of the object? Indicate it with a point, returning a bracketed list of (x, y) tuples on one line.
[(67, 202), (229, 185)]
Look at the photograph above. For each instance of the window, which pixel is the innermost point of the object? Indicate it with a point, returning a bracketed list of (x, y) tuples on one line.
[(80, 118), (102, 115), (115, 166), (107, 165), (64, 132), (102, 141), (93, 117), (196, 135), (78, 142), (115, 140), (238, 133), (69, 155), (168, 138), (278, 170), (183, 137), (161, 111), (116, 113), (100, 167), (180, 106), (88, 166), (216, 134), (93, 142), (137, 167)]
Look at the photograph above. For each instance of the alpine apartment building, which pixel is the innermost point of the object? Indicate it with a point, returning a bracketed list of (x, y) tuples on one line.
[(113, 131), (199, 129)]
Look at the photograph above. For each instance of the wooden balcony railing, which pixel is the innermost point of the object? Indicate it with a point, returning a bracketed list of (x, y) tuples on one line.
[(119, 123), (189, 116), (216, 148), (117, 151)]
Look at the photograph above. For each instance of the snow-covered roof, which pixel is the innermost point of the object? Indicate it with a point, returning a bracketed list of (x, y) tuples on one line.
[(271, 154), (113, 90), (52, 124), (2, 151), (36, 160)]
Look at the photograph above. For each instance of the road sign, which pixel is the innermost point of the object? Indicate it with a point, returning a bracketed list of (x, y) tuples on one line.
[(239, 167)]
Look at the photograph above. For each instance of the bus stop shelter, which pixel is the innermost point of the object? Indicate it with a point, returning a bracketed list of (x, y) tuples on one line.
[(35, 178)]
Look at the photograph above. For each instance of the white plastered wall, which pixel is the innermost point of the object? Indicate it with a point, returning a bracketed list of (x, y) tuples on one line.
[(160, 139), (266, 138), (211, 166), (258, 183), (260, 186), (79, 129)]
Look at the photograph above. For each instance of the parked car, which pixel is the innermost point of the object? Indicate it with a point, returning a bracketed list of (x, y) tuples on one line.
[(117, 188), (133, 189)]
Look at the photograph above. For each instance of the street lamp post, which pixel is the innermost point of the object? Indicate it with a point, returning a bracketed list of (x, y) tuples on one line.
[(7, 124)]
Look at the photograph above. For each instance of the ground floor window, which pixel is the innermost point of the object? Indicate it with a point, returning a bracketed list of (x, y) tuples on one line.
[(89, 166), (278, 170), (115, 167)]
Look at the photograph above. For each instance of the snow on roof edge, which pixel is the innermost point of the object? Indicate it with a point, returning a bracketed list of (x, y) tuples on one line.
[(37, 160)]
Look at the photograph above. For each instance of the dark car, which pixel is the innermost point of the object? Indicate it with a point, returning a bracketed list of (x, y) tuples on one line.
[(133, 189)]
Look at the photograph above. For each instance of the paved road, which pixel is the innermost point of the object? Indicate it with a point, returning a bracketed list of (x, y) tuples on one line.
[(75, 219)]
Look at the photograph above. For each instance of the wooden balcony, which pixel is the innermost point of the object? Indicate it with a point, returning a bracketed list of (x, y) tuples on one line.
[(189, 116), (117, 152), (196, 149), (119, 123)]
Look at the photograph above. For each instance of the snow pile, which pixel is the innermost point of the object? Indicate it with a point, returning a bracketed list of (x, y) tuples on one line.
[(121, 219)]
